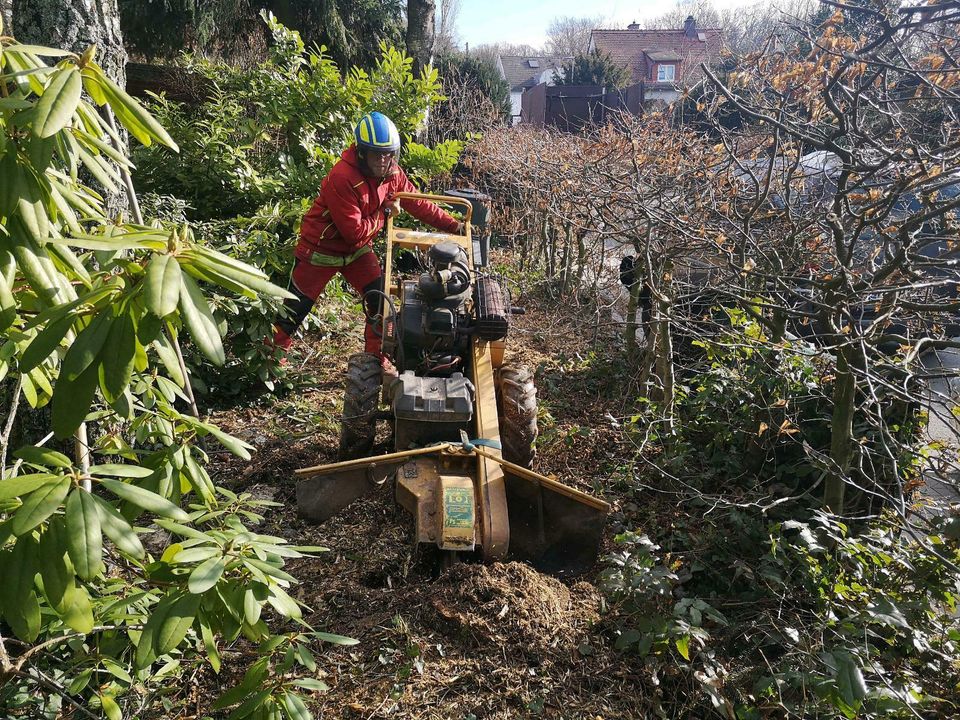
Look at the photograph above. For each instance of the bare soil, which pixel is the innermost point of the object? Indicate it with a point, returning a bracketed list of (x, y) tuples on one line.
[(471, 640)]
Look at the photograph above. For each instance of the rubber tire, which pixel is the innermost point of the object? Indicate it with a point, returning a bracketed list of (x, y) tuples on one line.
[(361, 397), (517, 410)]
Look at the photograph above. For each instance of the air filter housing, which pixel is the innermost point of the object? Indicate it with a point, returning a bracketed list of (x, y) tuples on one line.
[(491, 309)]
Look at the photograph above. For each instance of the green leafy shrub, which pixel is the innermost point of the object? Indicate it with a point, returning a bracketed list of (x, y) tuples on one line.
[(269, 133), (754, 413), (643, 589), (252, 159), (804, 619), (92, 315), (759, 604)]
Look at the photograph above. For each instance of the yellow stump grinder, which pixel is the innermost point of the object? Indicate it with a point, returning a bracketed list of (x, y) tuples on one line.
[(464, 421)]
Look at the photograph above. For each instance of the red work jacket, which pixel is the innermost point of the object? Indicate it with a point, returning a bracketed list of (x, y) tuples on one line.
[(348, 213)]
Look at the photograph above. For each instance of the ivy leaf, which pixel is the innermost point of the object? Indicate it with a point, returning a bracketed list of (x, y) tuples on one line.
[(58, 102), (850, 682), (84, 534)]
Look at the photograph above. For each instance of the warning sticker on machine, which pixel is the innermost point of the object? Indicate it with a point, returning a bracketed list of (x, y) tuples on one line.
[(458, 508)]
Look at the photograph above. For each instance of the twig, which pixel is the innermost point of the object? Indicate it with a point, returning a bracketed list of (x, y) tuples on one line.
[(22, 659), (8, 429), (55, 687)]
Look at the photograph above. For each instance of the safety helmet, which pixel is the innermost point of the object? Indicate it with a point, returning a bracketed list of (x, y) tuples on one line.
[(376, 131)]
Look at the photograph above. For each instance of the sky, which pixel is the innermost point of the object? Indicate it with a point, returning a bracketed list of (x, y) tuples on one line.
[(526, 21)]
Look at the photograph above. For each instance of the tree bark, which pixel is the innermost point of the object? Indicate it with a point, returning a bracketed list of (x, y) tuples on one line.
[(841, 431), (633, 355), (665, 370), (75, 25), (6, 16), (421, 30)]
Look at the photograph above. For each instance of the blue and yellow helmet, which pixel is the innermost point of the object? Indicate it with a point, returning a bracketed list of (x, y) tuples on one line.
[(376, 131)]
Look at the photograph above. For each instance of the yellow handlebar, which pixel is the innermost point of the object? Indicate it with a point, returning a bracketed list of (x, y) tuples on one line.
[(449, 199)]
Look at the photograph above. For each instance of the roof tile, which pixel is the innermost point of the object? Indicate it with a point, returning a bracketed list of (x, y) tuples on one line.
[(639, 49)]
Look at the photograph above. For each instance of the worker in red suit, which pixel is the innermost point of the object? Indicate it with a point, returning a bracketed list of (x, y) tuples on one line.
[(337, 232)]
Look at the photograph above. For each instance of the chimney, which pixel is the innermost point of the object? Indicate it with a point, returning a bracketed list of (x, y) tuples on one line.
[(633, 26), (690, 27)]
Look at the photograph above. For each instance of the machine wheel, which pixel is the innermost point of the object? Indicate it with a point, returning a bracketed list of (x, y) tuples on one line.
[(517, 408), (360, 399)]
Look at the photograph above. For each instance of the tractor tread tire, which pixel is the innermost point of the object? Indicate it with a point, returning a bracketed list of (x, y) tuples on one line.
[(361, 398), (517, 410)]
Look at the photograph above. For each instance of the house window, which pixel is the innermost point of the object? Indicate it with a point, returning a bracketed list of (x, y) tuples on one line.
[(666, 73)]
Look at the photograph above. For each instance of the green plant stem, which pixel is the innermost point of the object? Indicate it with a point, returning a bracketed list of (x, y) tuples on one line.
[(631, 329)]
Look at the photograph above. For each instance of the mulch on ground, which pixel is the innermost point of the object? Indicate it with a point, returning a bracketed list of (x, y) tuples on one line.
[(472, 640)]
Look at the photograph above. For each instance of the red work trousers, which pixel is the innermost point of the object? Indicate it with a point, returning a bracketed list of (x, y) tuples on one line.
[(308, 281)]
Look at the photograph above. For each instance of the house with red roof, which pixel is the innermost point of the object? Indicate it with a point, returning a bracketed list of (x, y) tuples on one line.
[(666, 61)]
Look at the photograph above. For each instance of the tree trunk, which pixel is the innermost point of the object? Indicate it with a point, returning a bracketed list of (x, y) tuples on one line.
[(841, 431), (6, 16), (633, 354), (665, 371), (75, 25), (421, 30), (567, 264)]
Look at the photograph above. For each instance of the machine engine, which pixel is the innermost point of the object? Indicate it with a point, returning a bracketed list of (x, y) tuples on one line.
[(440, 310)]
